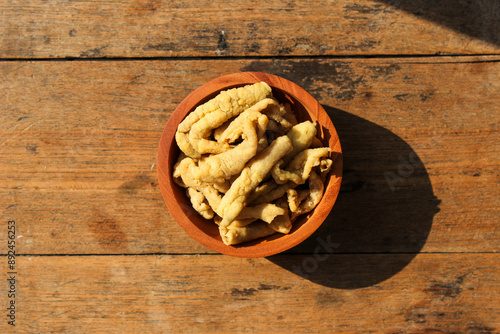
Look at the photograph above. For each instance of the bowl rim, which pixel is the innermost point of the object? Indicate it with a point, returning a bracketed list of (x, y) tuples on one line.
[(182, 216)]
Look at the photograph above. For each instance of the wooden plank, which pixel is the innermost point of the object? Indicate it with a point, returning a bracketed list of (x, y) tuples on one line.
[(156, 28), (435, 293), (420, 140)]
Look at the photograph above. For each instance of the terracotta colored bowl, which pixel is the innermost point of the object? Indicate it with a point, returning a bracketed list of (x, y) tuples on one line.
[(206, 232)]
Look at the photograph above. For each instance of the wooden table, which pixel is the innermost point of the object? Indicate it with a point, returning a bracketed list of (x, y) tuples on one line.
[(411, 246)]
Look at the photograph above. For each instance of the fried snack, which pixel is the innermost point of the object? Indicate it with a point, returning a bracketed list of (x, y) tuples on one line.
[(275, 192), (296, 173), (234, 200), (325, 166), (249, 214), (283, 176), (243, 156), (199, 203), (302, 136), (266, 212), (220, 167), (293, 199), (181, 169), (303, 162), (276, 115), (220, 130), (222, 187), (261, 190), (282, 223), (236, 222), (238, 99), (237, 235), (238, 127), (220, 109), (185, 146), (242, 222), (255, 113), (316, 188)]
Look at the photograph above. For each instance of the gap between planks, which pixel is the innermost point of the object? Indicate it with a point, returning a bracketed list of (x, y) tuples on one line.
[(217, 254), (264, 57)]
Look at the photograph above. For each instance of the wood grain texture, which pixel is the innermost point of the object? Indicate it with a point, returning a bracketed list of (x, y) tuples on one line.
[(411, 246), (156, 28), (420, 139), (436, 293)]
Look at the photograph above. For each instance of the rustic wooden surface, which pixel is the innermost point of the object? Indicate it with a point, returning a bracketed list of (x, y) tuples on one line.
[(156, 28), (411, 246), (450, 293)]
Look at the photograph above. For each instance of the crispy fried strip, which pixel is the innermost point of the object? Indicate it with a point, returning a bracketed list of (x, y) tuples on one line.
[(261, 133), (222, 166), (300, 167), (205, 145), (254, 113), (237, 235), (242, 222), (261, 190), (273, 126), (325, 166), (220, 130), (240, 98), (282, 223), (199, 203), (275, 193), (179, 169), (211, 194), (266, 212), (234, 200), (283, 176), (217, 220), (227, 104), (185, 146), (236, 222), (262, 144), (301, 136), (316, 193), (280, 123), (295, 198), (303, 162), (222, 187)]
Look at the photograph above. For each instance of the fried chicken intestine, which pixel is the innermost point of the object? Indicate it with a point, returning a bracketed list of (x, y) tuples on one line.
[(243, 159)]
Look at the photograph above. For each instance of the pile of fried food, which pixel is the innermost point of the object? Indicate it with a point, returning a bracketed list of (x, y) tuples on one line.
[(248, 164)]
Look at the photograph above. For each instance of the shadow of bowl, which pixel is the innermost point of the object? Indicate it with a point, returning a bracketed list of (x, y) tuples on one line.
[(382, 217)]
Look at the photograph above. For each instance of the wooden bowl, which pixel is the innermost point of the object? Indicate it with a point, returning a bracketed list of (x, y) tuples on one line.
[(206, 231)]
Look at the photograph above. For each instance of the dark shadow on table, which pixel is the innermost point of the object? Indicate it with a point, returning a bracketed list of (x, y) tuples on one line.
[(476, 18), (382, 216)]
